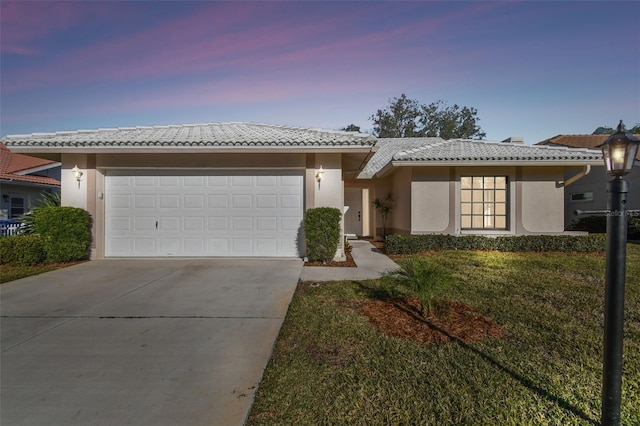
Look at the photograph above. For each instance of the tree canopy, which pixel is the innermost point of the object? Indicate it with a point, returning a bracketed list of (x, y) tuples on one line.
[(604, 130), (351, 128), (408, 118)]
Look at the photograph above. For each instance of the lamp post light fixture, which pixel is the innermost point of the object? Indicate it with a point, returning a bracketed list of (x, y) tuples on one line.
[(619, 153)]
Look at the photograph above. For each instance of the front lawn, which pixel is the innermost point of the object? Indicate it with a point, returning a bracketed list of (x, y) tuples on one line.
[(331, 366), (12, 272)]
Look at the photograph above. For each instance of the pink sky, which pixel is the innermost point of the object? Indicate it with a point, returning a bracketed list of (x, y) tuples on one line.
[(531, 69)]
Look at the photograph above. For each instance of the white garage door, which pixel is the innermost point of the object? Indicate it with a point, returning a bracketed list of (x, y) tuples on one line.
[(239, 213)]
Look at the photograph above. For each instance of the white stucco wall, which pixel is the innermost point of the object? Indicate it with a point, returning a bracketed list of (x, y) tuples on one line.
[(542, 200), (430, 192), (535, 204)]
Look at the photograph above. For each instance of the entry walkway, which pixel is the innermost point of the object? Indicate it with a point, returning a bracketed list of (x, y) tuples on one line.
[(372, 264)]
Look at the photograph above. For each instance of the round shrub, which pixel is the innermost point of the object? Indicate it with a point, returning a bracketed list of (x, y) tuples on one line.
[(322, 233), (65, 232)]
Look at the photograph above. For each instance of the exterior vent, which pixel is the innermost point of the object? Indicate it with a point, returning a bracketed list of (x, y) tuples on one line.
[(514, 139)]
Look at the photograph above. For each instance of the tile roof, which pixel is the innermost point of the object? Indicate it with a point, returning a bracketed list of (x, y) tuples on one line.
[(461, 151), (10, 163), (579, 141), (214, 135), (387, 148)]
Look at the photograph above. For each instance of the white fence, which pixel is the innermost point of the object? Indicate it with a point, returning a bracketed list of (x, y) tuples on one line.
[(9, 227)]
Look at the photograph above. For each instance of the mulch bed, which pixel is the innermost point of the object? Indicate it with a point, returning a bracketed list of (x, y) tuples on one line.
[(349, 263), (454, 321)]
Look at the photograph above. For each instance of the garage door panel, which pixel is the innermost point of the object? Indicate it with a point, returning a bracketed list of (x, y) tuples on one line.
[(218, 223), (169, 201), (174, 213), (145, 201), (144, 181), (144, 246)]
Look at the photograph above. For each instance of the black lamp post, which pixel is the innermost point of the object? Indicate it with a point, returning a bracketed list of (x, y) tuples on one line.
[(619, 152)]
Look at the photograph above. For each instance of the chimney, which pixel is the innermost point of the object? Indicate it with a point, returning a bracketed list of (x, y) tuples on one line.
[(514, 139)]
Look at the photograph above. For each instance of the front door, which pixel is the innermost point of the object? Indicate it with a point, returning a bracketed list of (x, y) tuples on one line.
[(353, 216)]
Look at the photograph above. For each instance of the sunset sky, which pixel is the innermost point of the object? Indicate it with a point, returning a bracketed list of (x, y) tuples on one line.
[(532, 69)]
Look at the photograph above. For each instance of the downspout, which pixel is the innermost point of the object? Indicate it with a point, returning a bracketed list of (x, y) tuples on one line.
[(564, 183)]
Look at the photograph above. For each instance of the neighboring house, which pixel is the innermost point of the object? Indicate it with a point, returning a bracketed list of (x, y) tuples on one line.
[(590, 191), (240, 189), (23, 179)]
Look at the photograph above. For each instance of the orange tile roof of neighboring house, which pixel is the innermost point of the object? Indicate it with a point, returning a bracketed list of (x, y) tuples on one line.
[(29, 179), (11, 163), (580, 141)]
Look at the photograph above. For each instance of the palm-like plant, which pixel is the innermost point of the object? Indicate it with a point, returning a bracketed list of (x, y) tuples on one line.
[(47, 199)]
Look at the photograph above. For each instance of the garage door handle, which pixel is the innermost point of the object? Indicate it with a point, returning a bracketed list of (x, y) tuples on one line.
[(156, 224)]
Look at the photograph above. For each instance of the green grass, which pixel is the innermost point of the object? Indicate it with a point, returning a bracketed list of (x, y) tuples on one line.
[(11, 273), (331, 367)]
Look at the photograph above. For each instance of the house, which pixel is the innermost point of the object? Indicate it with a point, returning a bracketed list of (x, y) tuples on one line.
[(241, 189), (23, 179), (590, 192), (469, 187)]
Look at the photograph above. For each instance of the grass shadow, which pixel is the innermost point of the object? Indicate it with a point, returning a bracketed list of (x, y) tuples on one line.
[(525, 381)]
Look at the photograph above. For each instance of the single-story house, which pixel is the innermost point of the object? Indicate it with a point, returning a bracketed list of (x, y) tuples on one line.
[(23, 179), (241, 189), (590, 192)]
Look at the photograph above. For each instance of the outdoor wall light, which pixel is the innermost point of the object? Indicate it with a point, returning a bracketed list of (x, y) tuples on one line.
[(619, 154), (320, 174), (77, 173), (5, 198)]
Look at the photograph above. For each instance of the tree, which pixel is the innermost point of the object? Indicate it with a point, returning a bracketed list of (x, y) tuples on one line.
[(407, 118), (351, 128), (384, 207), (604, 130)]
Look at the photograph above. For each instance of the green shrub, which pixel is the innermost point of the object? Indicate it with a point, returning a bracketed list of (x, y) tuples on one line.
[(424, 278), (411, 244), (322, 233), (591, 224), (65, 232), (598, 225), (21, 250)]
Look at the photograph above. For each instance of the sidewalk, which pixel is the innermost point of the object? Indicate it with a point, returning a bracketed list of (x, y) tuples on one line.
[(372, 263)]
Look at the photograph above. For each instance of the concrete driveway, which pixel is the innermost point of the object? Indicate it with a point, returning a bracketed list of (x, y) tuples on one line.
[(140, 341)]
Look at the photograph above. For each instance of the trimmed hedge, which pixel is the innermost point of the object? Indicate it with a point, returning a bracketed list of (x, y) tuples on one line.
[(65, 232), (412, 244), (322, 233), (598, 225), (21, 250)]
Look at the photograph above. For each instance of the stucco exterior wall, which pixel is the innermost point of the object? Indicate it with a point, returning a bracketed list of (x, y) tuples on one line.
[(542, 200), (535, 204), (431, 194), (400, 217)]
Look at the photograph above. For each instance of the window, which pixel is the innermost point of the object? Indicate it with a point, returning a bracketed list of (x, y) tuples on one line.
[(582, 196), (483, 202), (17, 207)]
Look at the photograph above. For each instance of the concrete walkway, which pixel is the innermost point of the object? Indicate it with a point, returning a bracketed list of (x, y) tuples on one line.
[(140, 341), (372, 263)]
